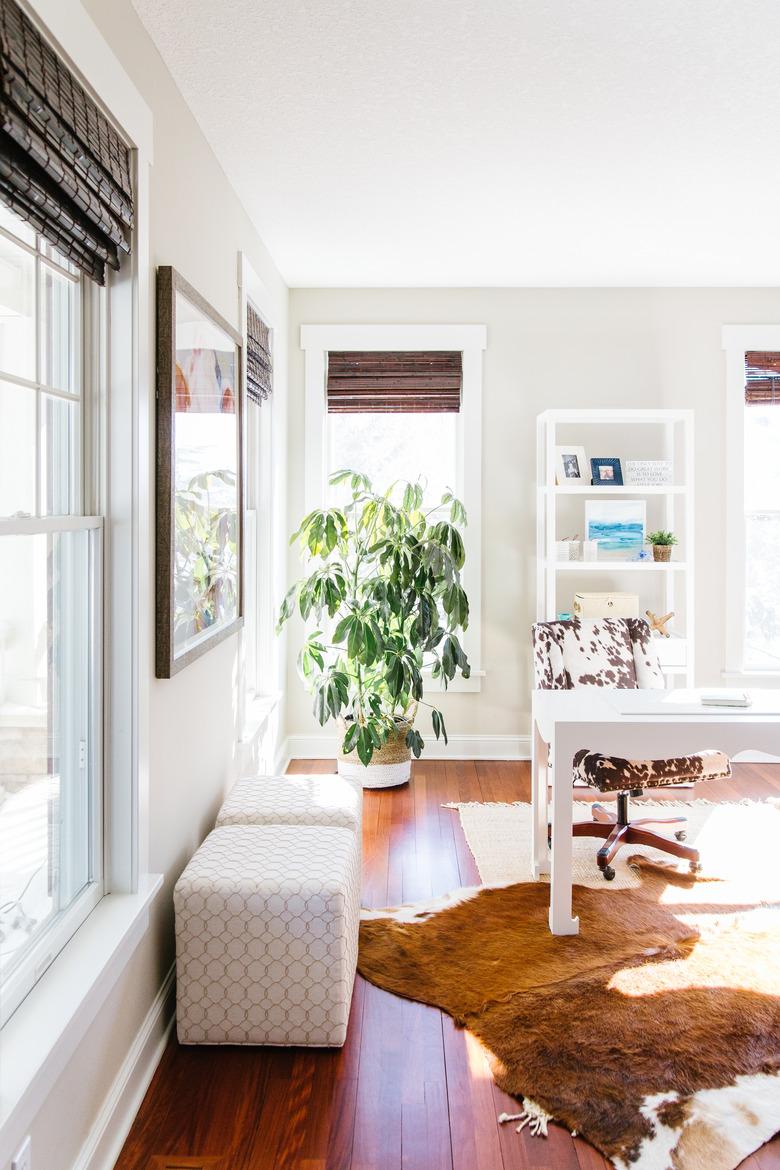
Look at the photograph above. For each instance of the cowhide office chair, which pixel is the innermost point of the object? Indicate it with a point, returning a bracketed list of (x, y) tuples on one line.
[(618, 653)]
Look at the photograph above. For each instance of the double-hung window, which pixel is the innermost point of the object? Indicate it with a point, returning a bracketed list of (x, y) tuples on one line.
[(752, 499), (401, 402), (51, 610), (762, 510)]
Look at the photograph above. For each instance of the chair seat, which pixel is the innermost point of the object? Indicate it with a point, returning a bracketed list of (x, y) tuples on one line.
[(614, 774)]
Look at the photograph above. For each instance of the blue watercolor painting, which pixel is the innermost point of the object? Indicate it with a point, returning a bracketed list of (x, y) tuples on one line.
[(617, 525)]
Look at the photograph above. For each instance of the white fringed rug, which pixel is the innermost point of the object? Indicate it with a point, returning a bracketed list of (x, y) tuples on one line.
[(737, 842)]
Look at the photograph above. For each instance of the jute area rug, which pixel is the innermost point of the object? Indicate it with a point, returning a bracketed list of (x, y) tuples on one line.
[(499, 836), (654, 1033)]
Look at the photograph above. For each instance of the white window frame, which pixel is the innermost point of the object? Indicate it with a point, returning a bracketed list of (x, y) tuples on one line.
[(737, 340), (86, 507), (47, 1028), (471, 341), (260, 650)]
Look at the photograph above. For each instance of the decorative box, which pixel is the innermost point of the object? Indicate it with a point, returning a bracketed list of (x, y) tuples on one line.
[(601, 605)]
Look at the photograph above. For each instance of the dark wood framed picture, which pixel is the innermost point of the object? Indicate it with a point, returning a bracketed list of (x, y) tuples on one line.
[(606, 473), (199, 475)]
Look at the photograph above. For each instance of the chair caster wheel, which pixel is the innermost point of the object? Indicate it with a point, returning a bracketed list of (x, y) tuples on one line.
[(695, 867), (682, 835), (608, 873)]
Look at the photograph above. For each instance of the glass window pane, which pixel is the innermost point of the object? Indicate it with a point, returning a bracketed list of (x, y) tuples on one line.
[(59, 330), (17, 450), (17, 310), (762, 457), (48, 250), (12, 223), (387, 447), (60, 456), (762, 603), (46, 779)]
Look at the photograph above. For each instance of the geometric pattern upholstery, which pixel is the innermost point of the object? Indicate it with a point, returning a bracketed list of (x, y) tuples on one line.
[(266, 936), (614, 774), (606, 652), (293, 800)]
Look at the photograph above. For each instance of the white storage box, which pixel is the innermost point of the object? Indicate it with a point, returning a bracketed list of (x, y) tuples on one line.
[(293, 800), (609, 605), (267, 923)]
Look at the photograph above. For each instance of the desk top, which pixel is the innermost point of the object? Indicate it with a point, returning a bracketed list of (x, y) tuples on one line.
[(609, 705)]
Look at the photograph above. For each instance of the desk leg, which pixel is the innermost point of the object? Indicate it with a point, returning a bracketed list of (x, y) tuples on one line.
[(561, 920), (540, 850)]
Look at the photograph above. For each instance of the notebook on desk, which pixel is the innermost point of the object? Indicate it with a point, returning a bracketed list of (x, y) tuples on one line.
[(690, 702)]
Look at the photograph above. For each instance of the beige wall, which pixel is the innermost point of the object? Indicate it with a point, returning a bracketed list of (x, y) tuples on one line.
[(198, 225), (552, 348)]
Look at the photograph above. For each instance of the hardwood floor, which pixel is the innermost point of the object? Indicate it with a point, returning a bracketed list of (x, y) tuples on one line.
[(408, 1091)]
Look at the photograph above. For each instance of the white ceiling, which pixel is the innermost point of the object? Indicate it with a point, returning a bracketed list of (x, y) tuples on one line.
[(493, 142)]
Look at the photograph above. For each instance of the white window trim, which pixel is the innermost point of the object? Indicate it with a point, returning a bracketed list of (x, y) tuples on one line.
[(737, 340), (49, 1026), (470, 340), (261, 694)]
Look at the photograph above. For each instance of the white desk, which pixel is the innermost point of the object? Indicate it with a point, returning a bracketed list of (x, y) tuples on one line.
[(600, 720)]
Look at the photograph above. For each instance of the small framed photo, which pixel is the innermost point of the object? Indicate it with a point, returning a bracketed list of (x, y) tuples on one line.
[(571, 465), (606, 473)]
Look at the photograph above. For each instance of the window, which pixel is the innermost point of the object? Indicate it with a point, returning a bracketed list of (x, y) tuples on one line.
[(399, 402), (51, 617), (762, 510)]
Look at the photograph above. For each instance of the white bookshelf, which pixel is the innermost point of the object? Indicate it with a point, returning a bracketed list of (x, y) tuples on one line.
[(628, 434)]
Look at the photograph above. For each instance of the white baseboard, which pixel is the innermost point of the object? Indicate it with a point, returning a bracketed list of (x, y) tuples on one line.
[(323, 746), (282, 757), (112, 1125)]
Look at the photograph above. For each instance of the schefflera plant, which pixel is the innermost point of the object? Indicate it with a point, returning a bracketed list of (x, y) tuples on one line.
[(387, 575)]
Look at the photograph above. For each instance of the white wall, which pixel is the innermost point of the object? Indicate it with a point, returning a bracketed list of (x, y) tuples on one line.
[(551, 348), (198, 225)]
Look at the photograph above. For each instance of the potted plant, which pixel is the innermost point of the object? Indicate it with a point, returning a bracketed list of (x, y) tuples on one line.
[(387, 577), (662, 543)]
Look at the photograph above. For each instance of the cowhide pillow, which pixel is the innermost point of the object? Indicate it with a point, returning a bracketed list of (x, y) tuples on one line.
[(649, 676)]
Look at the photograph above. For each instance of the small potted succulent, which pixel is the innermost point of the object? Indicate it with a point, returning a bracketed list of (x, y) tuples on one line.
[(662, 543), (383, 589)]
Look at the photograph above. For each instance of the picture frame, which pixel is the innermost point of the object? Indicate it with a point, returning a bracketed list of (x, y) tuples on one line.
[(571, 465), (200, 480), (606, 473), (617, 526)]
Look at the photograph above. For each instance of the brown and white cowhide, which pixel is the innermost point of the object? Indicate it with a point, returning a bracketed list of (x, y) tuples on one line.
[(654, 1033)]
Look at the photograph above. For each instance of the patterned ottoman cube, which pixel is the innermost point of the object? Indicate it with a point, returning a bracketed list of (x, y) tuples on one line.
[(266, 936), (293, 800)]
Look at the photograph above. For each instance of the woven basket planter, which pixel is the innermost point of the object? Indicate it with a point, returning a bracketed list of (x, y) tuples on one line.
[(390, 765), (662, 552)]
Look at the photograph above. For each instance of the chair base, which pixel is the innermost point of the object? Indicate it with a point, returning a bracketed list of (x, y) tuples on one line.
[(616, 829)]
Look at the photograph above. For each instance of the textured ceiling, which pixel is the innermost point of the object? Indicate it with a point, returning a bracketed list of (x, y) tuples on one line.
[(492, 142)]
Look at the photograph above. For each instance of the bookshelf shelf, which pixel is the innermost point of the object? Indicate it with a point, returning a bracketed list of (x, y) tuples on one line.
[(655, 434)]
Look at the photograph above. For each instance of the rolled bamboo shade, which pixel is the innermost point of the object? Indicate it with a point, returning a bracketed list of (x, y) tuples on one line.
[(410, 382), (63, 167), (259, 368), (762, 377)]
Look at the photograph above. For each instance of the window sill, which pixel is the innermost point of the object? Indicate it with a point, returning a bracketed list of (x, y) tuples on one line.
[(458, 686), (47, 1028), (258, 712), (756, 677)]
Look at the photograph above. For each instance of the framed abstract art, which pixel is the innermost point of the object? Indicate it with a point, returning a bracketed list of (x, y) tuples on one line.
[(199, 475)]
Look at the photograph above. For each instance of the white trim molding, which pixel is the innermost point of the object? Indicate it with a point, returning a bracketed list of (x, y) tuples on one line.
[(324, 746), (737, 340), (471, 341), (123, 1100)]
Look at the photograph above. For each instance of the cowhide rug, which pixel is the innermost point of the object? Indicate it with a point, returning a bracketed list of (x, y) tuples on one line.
[(654, 1033)]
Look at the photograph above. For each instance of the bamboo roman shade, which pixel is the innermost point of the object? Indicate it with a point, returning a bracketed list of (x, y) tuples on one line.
[(259, 368), (762, 377), (394, 383), (63, 167)]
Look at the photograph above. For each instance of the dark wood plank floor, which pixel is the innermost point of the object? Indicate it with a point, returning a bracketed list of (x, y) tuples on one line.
[(408, 1091)]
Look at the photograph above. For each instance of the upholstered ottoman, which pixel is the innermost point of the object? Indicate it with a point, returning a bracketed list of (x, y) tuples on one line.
[(266, 936), (293, 800)]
